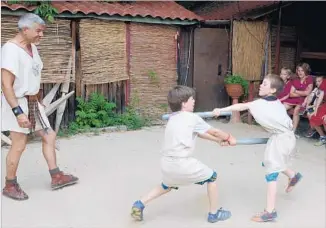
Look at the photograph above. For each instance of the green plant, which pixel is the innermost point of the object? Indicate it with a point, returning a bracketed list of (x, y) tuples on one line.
[(98, 112), (44, 8), (153, 77), (237, 79)]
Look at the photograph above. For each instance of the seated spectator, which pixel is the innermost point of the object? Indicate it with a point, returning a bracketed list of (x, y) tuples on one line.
[(315, 105), (301, 87), (286, 75)]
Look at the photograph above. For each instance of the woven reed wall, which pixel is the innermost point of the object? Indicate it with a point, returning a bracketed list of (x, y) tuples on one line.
[(287, 53), (103, 51), (248, 46), (55, 47), (152, 66)]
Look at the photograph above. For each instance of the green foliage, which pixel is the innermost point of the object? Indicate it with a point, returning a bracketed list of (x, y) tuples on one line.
[(44, 8), (237, 79), (98, 112)]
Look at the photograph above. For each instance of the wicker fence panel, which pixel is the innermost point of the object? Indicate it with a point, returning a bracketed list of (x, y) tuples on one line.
[(103, 51), (153, 66)]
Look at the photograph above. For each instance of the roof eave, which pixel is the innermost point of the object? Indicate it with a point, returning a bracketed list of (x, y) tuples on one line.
[(139, 19)]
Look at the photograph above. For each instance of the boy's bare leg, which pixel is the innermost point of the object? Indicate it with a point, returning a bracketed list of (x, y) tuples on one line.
[(139, 206), (271, 196), (212, 196), (289, 173), (153, 194)]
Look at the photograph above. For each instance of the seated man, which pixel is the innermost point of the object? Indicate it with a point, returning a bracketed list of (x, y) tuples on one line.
[(315, 105)]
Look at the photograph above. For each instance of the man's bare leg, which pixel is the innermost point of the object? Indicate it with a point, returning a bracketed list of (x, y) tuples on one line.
[(12, 188), (59, 179)]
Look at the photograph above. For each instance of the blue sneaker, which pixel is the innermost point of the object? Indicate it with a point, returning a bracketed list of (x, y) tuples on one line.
[(220, 215), (137, 210), (265, 216), (293, 182)]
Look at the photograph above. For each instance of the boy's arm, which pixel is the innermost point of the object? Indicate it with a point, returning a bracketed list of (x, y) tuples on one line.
[(235, 107), (222, 136), (209, 137)]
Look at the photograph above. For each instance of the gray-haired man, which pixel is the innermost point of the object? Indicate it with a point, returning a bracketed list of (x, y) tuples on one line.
[(22, 113)]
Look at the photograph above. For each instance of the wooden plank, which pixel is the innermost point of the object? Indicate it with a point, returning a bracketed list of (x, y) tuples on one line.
[(72, 105), (80, 89), (49, 96), (118, 97), (52, 107), (114, 92), (64, 91), (5, 139), (123, 96), (313, 55), (110, 92)]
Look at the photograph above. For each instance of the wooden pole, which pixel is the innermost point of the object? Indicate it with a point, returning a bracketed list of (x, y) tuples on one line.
[(64, 91), (278, 41)]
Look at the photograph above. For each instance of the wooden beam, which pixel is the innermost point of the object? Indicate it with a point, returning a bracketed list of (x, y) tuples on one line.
[(313, 55), (278, 41), (64, 91), (5, 139), (49, 97), (52, 107)]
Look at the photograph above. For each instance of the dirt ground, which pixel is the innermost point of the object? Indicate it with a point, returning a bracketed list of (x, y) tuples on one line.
[(115, 169)]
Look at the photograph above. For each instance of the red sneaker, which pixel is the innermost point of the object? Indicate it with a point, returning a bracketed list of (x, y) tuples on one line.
[(60, 180), (14, 191)]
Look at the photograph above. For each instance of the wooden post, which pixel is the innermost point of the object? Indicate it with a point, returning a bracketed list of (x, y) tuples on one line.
[(251, 98), (77, 61), (278, 41), (64, 91), (127, 85)]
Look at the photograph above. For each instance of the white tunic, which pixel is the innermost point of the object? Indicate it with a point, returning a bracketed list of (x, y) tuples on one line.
[(177, 164), (273, 117), (27, 71)]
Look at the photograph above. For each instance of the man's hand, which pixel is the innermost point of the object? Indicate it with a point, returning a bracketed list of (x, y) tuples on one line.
[(324, 118), (23, 121)]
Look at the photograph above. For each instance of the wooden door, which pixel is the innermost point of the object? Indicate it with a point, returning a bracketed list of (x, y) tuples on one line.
[(210, 67)]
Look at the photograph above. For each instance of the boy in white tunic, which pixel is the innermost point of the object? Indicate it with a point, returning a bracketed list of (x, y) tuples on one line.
[(269, 112), (178, 166)]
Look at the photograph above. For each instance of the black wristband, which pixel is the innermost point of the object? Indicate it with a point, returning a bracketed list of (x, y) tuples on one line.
[(17, 110)]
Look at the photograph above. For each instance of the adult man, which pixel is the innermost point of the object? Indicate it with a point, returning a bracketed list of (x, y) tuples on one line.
[(21, 112)]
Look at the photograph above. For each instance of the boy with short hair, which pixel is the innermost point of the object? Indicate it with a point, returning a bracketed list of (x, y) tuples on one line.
[(178, 166), (269, 112)]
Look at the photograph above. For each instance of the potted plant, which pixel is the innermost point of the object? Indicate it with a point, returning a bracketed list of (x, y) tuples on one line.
[(236, 86)]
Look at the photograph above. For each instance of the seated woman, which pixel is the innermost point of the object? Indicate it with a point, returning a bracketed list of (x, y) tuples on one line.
[(286, 75), (317, 110), (301, 87)]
